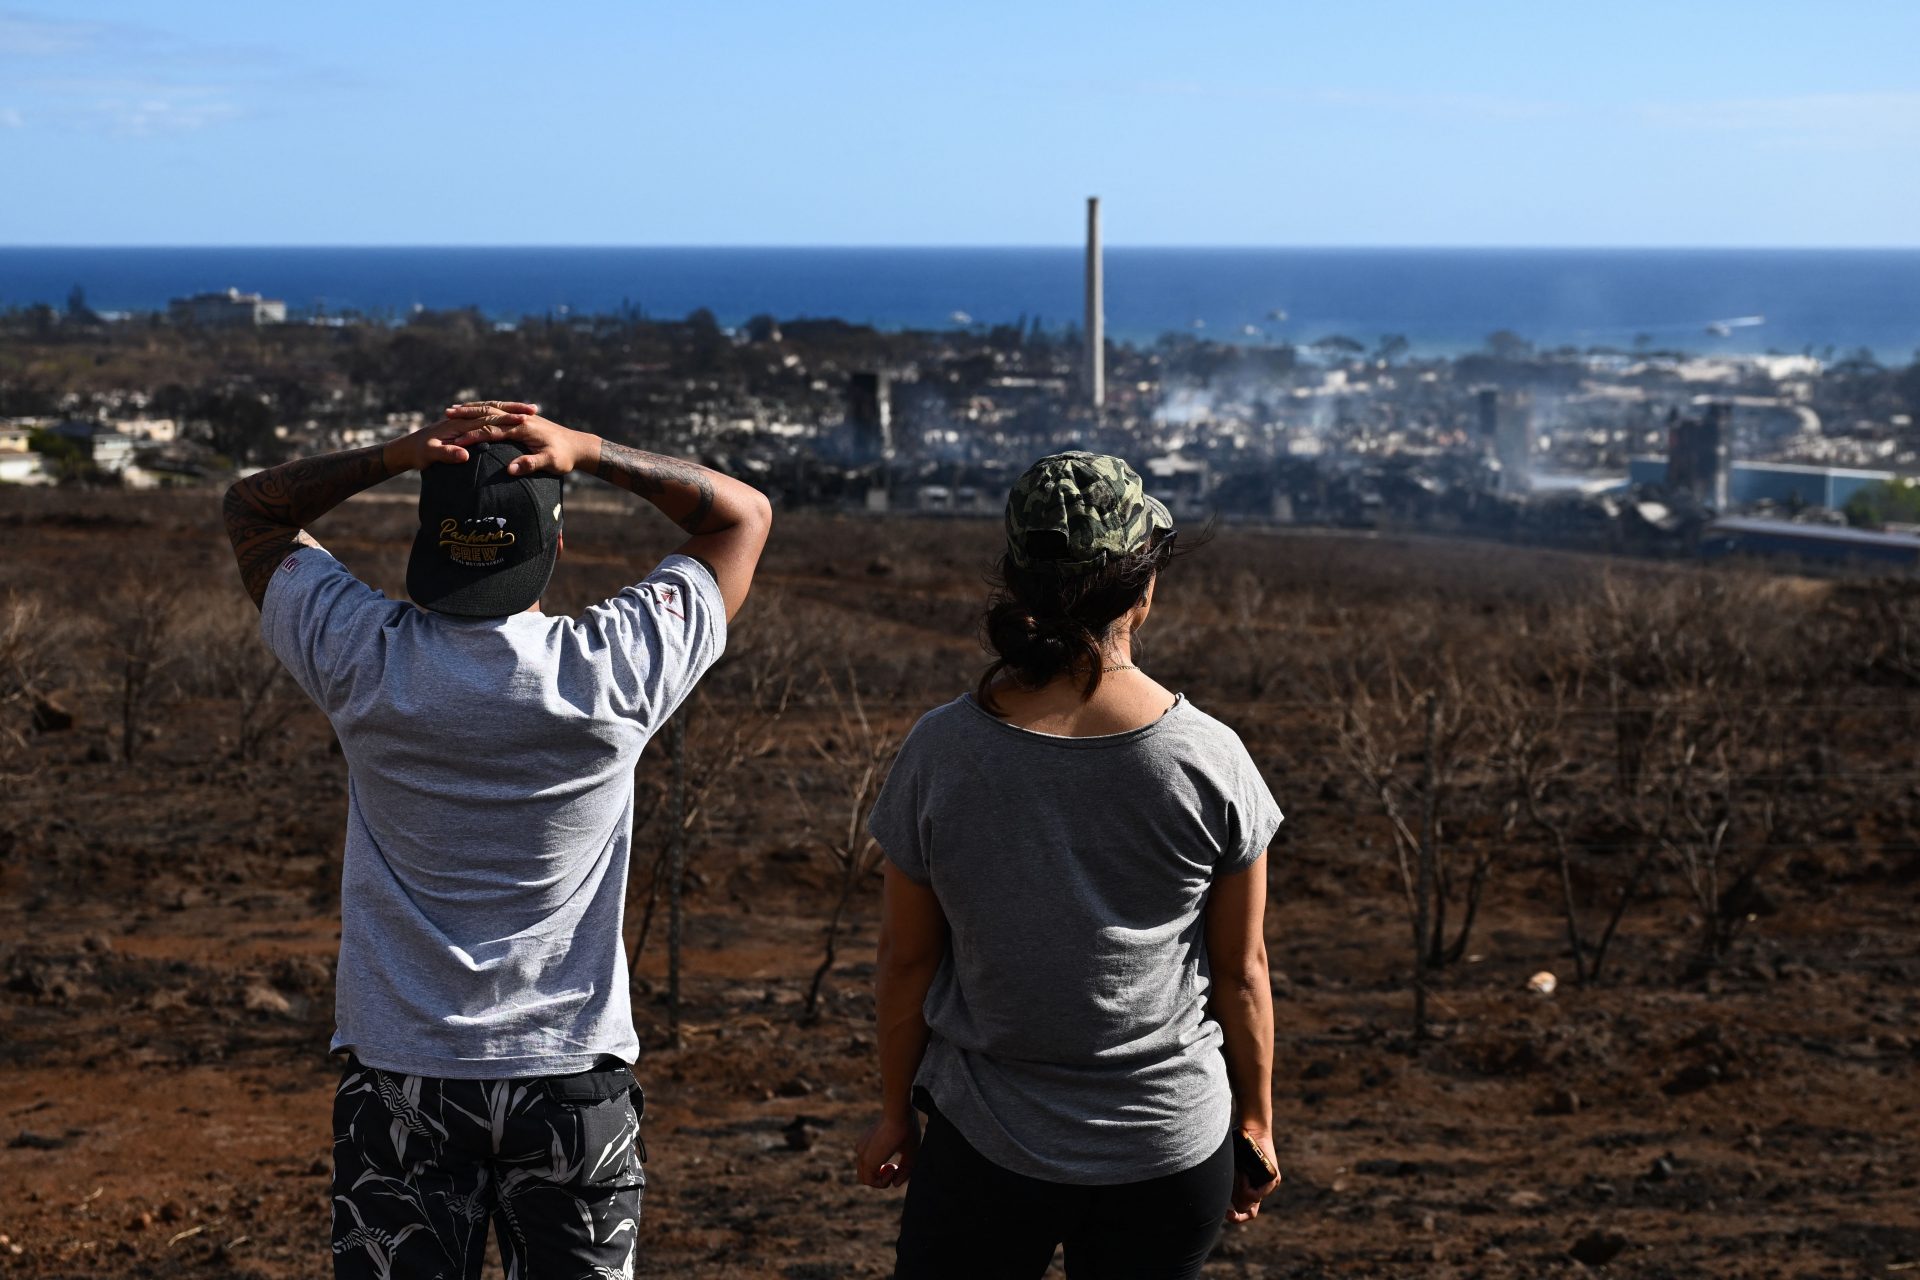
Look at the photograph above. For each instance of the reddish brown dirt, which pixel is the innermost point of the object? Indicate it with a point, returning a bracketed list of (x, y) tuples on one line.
[(166, 932)]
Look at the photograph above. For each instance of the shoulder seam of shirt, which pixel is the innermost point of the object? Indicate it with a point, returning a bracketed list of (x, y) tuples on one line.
[(279, 572), (705, 568)]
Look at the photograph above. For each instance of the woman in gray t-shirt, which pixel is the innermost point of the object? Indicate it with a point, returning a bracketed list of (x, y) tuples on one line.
[(1072, 981)]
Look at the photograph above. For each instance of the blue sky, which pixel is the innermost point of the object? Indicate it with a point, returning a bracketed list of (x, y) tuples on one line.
[(1365, 122)]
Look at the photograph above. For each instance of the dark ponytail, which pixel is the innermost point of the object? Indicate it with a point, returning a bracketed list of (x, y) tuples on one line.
[(1036, 648), (1041, 626)]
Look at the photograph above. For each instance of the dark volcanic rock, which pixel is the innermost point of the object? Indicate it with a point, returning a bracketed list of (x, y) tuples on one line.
[(1691, 1079), (1598, 1248), (31, 1141), (800, 1135)]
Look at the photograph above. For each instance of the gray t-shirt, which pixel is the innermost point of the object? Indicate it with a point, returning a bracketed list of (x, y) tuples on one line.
[(1071, 1040), (489, 809)]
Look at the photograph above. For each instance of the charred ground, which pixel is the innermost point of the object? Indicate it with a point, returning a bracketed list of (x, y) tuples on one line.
[(1733, 1095)]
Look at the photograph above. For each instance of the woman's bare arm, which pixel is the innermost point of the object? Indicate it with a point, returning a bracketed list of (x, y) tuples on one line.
[(1243, 1006), (913, 941)]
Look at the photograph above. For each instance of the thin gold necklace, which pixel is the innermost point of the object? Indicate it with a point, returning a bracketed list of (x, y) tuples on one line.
[(1124, 667)]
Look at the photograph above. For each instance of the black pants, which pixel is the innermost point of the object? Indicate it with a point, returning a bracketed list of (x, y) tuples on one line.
[(422, 1165), (969, 1219)]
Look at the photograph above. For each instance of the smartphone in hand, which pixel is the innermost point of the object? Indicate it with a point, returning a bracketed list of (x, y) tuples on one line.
[(1252, 1161)]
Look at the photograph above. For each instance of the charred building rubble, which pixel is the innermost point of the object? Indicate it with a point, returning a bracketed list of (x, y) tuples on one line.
[(1478, 460), (1605, 450)]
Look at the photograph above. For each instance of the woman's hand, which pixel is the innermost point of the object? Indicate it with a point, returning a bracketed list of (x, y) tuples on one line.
[(884, 1157), (1246, 1196)]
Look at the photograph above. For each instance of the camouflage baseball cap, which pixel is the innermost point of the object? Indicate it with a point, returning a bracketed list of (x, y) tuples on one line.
[(1071, 511)]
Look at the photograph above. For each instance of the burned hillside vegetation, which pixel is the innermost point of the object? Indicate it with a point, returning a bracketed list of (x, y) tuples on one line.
[(1687, 794)]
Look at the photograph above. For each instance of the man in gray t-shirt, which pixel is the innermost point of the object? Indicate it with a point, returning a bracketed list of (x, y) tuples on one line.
[(481, 994)]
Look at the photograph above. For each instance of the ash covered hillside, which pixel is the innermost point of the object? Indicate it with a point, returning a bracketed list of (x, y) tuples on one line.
[(1683, 791)]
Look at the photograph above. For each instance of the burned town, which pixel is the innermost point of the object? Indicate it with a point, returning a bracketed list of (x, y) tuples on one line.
[(1586, 679)]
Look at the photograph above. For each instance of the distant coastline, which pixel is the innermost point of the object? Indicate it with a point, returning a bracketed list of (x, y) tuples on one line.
[(1444, 301)]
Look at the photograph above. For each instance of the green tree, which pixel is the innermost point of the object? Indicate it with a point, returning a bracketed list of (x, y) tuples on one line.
[(71, 459), (239, 423), (1895, 500), (1391, 347)]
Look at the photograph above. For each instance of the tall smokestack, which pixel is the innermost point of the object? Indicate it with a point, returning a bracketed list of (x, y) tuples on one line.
[(1096, 311), (1719, 440)]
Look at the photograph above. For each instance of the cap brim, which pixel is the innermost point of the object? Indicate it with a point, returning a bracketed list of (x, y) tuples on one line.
[(1161, 518), (475, 593)]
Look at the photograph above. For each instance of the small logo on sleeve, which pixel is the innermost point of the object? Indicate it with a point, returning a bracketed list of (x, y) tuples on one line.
[(669, 597), (290, 564)]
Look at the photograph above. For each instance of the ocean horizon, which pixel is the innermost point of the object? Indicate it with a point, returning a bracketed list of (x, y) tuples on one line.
[(1444, 301)]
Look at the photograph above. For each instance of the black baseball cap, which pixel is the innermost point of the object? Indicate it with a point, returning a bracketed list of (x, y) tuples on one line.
[(488, 541)]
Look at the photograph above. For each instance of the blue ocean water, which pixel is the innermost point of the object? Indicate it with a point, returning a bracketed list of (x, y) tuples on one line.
[(1443, 300)]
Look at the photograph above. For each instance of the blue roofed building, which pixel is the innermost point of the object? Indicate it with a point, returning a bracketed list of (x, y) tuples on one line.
[(1787, 484)]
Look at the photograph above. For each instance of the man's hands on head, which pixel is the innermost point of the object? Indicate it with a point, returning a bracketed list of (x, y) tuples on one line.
[(443, 441), (727, 520), (266, 513), (549, 446)]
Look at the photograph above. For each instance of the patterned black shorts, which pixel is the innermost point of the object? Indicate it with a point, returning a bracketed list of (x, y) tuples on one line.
[(421, 1165)]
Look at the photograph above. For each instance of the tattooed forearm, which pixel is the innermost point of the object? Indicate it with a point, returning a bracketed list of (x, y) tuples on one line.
[(680, 489), (259, 544), (264, 512), (305, 489)]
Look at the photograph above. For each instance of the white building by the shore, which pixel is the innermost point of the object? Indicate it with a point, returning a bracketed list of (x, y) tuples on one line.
[(229, 309)]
